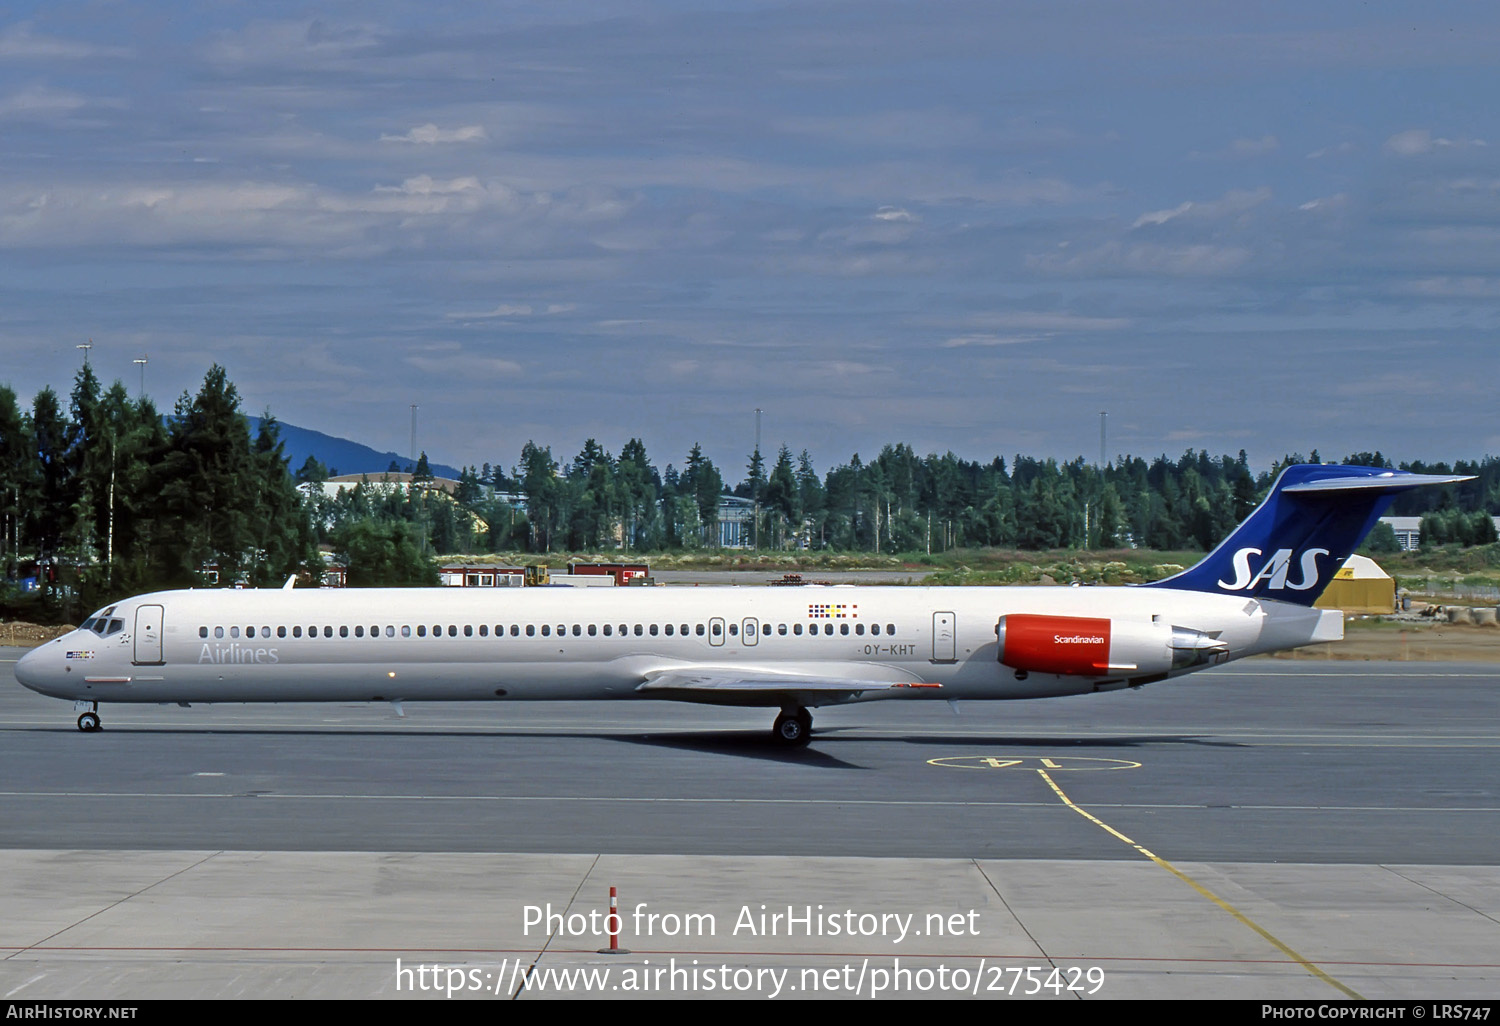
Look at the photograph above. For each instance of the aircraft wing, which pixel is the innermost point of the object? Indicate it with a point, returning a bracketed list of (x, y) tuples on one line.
[(729, 687)]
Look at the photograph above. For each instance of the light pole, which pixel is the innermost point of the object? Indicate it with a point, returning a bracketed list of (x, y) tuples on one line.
[(756, 484), (142, 364), (85, 346)]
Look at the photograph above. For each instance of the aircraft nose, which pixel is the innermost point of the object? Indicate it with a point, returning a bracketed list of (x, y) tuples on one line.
[(38, 668)]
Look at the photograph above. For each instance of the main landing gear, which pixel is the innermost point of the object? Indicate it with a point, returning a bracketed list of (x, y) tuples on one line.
[(793, 727), (88, 722)]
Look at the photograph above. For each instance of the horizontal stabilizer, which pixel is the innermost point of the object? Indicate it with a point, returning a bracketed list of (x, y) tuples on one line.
[(1391, 481)]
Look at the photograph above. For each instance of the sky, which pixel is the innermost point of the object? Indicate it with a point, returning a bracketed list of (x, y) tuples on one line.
[(966, 226)]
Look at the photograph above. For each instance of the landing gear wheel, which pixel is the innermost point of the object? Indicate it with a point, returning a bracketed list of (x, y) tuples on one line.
[(793, 729), (89, 723)]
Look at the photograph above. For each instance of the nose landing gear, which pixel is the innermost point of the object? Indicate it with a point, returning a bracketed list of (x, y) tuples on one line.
[(88, 722)]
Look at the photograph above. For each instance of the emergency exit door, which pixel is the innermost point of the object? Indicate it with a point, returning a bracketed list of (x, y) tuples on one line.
[(944, 638)]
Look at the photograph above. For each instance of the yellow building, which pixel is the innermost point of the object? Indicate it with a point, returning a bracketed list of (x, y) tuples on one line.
[(1360, 586)]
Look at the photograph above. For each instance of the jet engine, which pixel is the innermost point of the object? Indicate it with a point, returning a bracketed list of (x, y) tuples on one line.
[(1098, 647)]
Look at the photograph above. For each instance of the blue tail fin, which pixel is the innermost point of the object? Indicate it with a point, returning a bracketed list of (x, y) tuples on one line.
[(1290, 547)]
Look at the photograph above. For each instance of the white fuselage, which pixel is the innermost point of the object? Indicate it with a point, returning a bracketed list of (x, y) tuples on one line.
[(461, 644)]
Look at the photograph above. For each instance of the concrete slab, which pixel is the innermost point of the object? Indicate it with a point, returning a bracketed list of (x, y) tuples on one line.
[(134, 925)]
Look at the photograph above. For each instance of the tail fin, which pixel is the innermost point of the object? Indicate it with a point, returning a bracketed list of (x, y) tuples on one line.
[(1290, 547)]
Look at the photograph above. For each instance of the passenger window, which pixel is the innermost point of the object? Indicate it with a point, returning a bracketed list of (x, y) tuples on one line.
[(234, 632), (653, 630), (593, 630), (577, 630), (421, 630), (452, 630), (874, 628), (297, 631), (638, 631), (281, 632), (669, 630), (531, 630), (828, 630), (218, 632), (546, 630), (609, 629), (781, 628), (390, 631), (797, 629), (515, 630), (468, 630), (890, 628), (844, 629), (684, 630), (718, 629), (859, 629), (734, 630), (344, 631), (484, 630), (249, 632), (359, 630), (406, 630), (202, 631)]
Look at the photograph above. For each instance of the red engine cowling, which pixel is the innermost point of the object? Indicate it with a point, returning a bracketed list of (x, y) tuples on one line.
[(1083, 645)]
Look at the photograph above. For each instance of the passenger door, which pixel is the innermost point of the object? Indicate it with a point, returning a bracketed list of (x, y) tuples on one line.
[(148, 635)]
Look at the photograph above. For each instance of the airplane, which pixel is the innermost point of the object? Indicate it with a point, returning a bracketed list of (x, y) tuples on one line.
[(788, 648)]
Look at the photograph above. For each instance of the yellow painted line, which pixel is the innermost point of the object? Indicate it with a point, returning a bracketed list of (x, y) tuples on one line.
[(1195, 885)]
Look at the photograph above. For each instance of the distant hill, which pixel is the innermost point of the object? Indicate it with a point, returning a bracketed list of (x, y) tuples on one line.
[(340, 455)]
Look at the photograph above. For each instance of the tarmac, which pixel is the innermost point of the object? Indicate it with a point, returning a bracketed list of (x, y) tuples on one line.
[(1270, 830)]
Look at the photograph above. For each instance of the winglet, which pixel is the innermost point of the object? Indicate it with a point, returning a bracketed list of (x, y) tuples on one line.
[(290, 583)]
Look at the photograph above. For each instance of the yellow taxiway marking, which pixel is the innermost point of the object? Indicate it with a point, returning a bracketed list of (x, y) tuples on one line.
[(1069, 764), (1195, 885)]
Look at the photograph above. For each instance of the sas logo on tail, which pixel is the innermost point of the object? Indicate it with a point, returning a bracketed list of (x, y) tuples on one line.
[(1274, 572)]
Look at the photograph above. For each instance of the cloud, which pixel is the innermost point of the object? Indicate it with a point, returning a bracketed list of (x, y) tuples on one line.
[(515, 310), (1204, 260), (451, 359), (19, 42), (1325, 203), (430, 134), (426, 185), (39, 102), (893, 214), (1329, 151), (1241, 149), (1048, 321), (1236, 201), (1254, 147), (964, 341), (1416, 141), (280, 43), (1467, 287)]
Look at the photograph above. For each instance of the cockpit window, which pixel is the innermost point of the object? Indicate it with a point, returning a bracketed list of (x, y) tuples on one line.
[(101, 623)]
